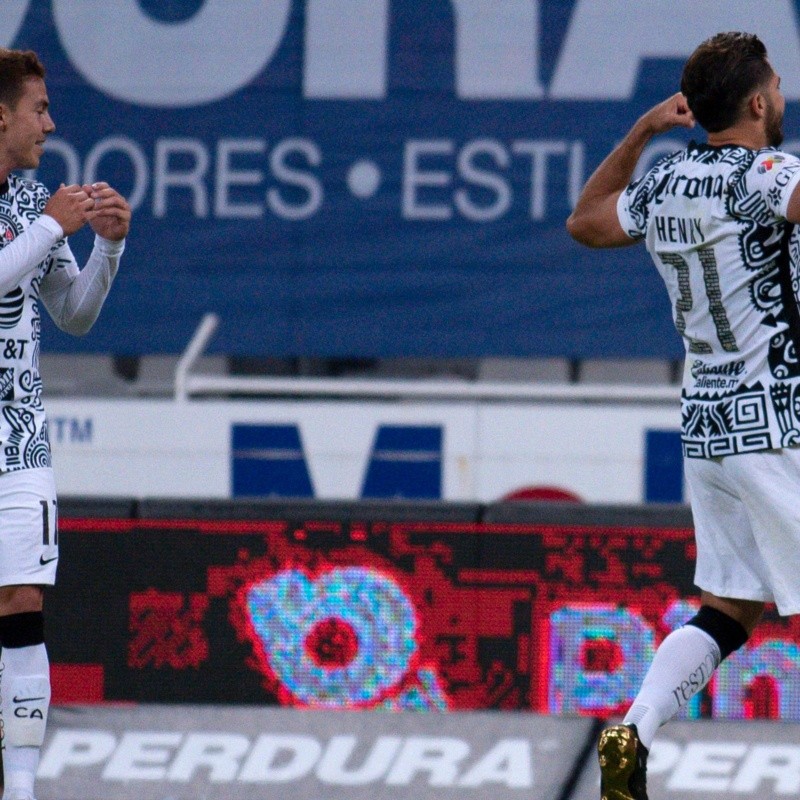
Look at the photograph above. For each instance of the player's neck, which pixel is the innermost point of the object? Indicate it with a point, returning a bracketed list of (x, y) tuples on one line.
[(7, 165), (753, 137)]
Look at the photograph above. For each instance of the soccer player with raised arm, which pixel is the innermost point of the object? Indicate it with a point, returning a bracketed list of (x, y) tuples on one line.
[(719, 220), (36, 263)]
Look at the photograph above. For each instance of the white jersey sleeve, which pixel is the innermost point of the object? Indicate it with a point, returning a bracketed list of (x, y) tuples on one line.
[(74, 297), (634, 205), (632, 210), (773, 177), (21, 256)]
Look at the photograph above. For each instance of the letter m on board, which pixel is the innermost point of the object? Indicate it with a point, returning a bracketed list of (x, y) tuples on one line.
[(270, 461)]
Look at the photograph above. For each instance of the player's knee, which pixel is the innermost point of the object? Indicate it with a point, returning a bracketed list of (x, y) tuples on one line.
[(25, 629), (728, 633)]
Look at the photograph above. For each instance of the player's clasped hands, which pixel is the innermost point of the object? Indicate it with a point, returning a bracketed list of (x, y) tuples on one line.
[(110, 215), (98, 204), (68, 207)]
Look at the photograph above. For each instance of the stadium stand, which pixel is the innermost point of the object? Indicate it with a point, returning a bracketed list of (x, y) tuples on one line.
[(153, 375)]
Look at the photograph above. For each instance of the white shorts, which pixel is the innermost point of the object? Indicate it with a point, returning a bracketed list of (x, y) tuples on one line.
[(746, 511), (28, 527)]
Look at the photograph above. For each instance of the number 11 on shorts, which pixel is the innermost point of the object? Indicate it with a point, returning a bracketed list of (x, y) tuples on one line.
[(46, 522)]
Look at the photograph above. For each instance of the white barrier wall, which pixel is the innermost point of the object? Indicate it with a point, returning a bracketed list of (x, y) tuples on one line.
[(474, 451), (186, 752)]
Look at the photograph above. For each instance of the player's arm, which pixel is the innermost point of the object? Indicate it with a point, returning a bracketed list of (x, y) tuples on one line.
[(63, 214), (74, 297), (594, 222)]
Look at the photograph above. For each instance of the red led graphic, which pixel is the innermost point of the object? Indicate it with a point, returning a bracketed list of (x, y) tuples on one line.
[(332, 643), (423, 615), (601, 655), (167, 630)]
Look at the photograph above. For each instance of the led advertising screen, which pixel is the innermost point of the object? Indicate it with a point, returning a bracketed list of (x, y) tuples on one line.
[(345, 614)]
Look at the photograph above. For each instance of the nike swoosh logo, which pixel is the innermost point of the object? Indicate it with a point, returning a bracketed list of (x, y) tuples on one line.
[(26, 699), (43, 560)]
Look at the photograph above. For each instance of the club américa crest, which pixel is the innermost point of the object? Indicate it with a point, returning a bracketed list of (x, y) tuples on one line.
[(9, 227), (12, 305)]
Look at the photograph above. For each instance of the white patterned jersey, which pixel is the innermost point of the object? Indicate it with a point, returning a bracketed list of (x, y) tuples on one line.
[(713, 219), (23, 427)]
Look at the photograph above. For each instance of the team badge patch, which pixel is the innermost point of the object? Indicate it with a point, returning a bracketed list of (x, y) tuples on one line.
[(768, 163), (9, 227)]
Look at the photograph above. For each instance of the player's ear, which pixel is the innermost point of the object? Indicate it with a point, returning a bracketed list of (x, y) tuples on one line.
[(757, 105)]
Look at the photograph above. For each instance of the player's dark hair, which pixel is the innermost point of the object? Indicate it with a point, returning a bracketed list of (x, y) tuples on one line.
[(721, 75), (16, 66)]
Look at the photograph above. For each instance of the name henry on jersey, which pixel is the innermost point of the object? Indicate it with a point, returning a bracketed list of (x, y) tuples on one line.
[(679, 230)]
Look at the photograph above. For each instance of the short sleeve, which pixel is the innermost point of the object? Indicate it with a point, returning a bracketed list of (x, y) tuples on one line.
[(633, 209), (774, 176)]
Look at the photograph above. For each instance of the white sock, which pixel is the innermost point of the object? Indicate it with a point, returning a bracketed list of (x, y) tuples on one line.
[(681, 667), (25, 690)]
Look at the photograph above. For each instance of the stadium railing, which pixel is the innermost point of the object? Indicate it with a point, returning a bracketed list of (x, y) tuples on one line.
[(189, 384)]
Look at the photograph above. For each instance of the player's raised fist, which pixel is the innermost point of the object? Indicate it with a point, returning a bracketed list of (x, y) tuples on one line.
[(671, 113)]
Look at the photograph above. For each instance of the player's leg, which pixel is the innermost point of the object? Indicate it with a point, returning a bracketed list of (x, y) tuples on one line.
[(687, 658), (681, 667), (24, 687), (735, 584), (28, 558)]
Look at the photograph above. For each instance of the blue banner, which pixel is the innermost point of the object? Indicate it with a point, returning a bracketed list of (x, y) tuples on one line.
[(366, 177)]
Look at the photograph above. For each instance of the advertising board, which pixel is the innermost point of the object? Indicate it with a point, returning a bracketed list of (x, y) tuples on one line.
[(473, 451), (264, 143), (351, 607)]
